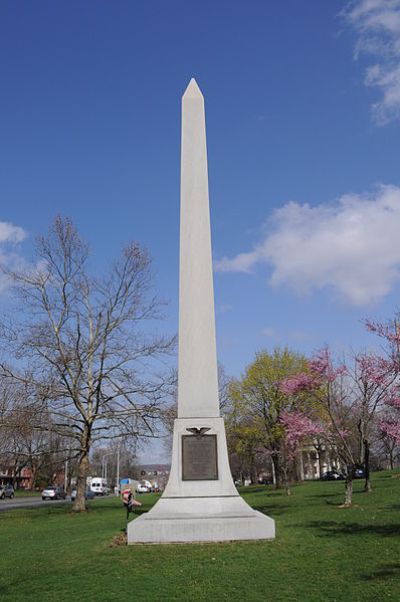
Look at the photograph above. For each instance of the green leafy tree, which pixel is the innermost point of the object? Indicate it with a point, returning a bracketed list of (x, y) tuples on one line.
[(258, 403)]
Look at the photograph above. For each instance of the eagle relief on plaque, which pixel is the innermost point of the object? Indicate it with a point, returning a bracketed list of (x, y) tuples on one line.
[(199, 455)]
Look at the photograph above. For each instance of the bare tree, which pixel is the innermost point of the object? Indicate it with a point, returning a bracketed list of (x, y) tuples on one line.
[(89, 359), (22, 443)]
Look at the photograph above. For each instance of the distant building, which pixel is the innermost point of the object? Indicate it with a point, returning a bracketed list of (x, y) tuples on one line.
[(22, 481), (314, 460)]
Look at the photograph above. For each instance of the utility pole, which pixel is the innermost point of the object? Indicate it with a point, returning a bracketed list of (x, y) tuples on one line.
[(117, 469)]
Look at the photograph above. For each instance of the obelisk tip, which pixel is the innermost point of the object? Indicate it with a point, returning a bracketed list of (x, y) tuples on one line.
[(193, 90)]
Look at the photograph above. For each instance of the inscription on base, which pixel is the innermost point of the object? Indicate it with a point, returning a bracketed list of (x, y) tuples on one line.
[(199, 458)]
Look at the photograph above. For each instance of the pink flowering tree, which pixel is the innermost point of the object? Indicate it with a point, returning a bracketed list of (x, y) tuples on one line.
[(373, 377), (326, 384), (390, 333), (298, 429), (390, 425)]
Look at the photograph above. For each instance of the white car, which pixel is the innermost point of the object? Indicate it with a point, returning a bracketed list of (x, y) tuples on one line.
[(53, 493), (142, 488)]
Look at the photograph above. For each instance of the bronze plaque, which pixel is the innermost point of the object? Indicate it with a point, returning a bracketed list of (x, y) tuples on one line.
[(199, 458)]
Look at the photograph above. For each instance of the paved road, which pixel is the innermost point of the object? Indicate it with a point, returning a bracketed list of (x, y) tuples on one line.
[(29, 502), (33, 502)]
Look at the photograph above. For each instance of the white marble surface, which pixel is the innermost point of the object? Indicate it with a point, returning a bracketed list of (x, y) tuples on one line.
[(187, 527), (198, 378), (198, 510)]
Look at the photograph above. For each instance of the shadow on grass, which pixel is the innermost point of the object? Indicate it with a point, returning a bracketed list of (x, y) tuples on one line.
[(338, 494), (329, 528), (272, 509), (385, 572), (139, 512)]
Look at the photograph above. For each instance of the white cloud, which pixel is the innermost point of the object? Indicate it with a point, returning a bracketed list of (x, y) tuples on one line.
[(351, 247), (10, 237), (10, 233), (377, 23)]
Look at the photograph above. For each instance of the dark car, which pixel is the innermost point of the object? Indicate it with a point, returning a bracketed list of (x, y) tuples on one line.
[(6, 491), (264, 482), (53, 492), (331, 475)]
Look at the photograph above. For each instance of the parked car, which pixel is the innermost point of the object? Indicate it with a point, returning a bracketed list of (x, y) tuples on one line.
[(6, 491), (53, 492), (89, 495), (142, 488), (332, 475), (359, 473)]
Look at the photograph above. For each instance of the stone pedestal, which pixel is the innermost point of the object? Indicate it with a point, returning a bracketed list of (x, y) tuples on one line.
[(200, 510)]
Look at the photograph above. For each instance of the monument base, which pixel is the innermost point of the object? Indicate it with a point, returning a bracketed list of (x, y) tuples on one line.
[(192, 511), (200, 520)]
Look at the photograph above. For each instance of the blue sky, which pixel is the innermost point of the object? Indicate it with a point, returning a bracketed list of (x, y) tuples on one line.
[(303, 111)]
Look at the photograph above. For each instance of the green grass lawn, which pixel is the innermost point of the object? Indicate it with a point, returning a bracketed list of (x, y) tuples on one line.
[(321, 552)]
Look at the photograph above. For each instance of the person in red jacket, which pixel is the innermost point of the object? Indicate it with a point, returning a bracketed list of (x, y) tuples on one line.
[(129, 501)]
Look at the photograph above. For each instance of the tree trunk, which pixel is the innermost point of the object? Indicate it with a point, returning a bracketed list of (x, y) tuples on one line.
[(320, 465), (286, 481), (273, 472), (348, 496), (301, 466), (367, 485), (83, 470), (277, 470), (391, 460), (348, 487)]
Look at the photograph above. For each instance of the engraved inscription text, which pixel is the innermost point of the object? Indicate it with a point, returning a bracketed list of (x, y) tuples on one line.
[(199, 458)]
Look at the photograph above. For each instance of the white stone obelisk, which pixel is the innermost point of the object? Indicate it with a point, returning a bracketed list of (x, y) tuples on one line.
[(200, 502), (198, 376)]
